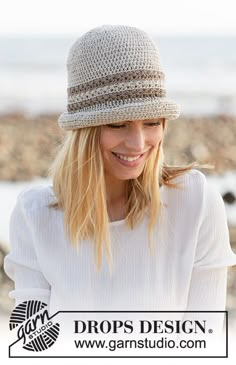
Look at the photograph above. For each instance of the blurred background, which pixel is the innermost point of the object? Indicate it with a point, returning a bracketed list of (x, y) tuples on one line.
[(197, 42)]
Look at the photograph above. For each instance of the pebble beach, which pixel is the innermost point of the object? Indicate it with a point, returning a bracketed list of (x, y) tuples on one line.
[(27, 144)]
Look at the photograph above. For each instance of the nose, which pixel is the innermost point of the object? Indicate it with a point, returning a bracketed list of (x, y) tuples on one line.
[(135, 139)]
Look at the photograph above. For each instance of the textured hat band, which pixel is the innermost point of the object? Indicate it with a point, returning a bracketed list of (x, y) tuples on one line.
[(108, 80), (126, 86), (115, 74)]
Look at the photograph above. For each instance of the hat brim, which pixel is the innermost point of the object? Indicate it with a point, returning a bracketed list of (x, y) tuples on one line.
[(141, 110)]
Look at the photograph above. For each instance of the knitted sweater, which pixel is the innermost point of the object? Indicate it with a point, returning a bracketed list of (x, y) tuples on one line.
[(186, 271)]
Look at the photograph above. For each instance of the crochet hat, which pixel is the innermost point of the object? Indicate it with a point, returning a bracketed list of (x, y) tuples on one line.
[(114, 75)]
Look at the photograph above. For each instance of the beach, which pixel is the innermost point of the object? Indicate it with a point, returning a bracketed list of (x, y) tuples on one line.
[(27, 144)]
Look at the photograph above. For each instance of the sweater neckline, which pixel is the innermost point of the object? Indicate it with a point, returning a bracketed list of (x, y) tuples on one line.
[(117, 223)]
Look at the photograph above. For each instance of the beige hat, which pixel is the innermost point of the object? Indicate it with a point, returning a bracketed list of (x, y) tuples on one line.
[(114, 75)]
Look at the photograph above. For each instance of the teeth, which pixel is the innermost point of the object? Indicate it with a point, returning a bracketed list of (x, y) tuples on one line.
[(127, 158)]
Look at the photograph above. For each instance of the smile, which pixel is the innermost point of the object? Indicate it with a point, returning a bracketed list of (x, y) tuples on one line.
[(128, 161), (127, 158)]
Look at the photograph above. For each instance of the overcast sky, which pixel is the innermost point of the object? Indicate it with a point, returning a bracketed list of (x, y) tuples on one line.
[(69, 17)]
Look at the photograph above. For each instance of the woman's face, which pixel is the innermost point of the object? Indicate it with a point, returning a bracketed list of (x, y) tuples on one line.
[(126, 146)]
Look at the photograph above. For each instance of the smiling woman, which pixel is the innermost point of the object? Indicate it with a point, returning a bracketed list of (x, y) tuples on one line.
[(161, 228)]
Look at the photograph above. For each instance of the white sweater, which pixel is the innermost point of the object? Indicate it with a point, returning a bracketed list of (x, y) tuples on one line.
[(188, 270)]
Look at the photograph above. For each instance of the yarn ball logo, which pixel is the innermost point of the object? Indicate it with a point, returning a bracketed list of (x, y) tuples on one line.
[(34, 326)]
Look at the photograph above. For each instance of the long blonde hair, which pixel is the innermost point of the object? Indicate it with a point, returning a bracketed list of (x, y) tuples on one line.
[(79, 185)]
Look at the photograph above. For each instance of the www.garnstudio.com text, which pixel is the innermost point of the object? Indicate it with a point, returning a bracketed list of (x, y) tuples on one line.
[(162, 343)]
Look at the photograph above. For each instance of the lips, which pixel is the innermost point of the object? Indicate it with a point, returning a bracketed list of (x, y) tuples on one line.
[(127, 158), (127, 163)]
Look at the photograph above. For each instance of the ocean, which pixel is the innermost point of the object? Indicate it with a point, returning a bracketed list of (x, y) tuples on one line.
[(200, 73)]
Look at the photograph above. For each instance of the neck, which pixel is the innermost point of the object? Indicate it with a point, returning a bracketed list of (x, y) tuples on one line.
[(116, 200), (115, 190)]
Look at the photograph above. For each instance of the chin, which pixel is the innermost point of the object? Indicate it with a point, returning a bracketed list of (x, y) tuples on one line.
[(131, 176)]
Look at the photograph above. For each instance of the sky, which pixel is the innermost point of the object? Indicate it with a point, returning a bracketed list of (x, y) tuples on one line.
[(68, 17)]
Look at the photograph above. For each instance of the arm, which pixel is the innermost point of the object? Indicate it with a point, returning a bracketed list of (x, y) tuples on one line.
[(208, 285), (21, 264)]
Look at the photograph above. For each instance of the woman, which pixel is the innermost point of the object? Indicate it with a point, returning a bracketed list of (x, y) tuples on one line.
[(119, 230)]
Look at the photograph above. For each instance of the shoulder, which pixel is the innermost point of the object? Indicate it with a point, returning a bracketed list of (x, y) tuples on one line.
[(36, 197), (192, 179), (189, 184), (193, 193), (30, 210), (188, 198), (196, 183)]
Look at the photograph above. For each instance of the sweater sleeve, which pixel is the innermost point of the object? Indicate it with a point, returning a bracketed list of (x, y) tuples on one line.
[(208, 285), (21, 263), (213, 248)]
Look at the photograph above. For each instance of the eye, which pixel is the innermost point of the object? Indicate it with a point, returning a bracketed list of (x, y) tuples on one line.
[(153, 124), (115, 126)]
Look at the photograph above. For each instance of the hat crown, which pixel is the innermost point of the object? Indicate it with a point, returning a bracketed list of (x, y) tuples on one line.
[(114, 74), (111, 49)]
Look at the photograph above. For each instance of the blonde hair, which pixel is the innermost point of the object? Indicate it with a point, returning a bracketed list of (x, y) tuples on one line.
[(79, 185)]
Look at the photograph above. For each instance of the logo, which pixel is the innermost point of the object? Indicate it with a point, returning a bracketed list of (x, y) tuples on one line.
[(34, 326)]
